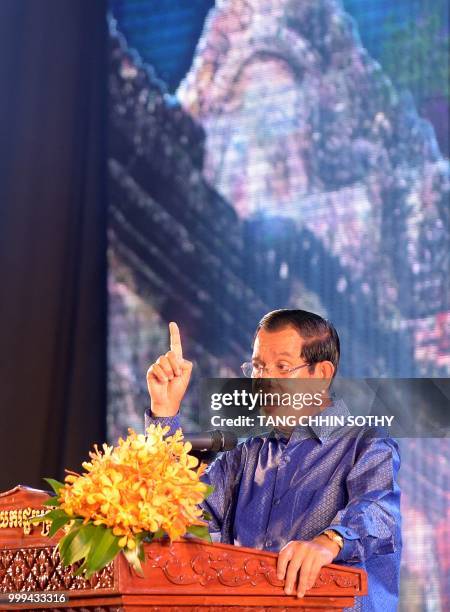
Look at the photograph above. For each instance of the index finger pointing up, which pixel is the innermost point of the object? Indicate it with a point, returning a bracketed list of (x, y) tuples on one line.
[(175, 340)]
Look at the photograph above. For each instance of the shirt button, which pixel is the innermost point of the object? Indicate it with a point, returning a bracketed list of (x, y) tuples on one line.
[(276, 502), (269, 543)]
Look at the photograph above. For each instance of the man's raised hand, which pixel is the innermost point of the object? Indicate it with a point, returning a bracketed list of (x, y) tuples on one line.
[(168, 377)]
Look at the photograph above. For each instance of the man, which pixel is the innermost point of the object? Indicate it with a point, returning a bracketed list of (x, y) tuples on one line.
[(316, 494)]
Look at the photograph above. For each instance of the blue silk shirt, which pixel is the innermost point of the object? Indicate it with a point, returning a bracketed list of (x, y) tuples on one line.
[(270, 490)]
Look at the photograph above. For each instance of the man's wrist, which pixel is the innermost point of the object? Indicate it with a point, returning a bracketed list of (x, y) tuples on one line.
[(172, 421), (163, 411), (335, 537), (330, 544)]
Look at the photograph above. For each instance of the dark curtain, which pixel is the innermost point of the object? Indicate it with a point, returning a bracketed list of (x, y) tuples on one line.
[(52, 236)]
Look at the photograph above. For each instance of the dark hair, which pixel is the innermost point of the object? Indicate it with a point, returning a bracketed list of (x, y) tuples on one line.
[(321, 341)]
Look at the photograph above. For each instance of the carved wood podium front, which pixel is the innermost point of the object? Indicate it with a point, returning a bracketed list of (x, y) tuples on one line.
[(187, 575)]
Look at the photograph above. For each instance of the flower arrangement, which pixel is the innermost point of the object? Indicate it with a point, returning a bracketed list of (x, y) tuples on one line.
[(144, 488)]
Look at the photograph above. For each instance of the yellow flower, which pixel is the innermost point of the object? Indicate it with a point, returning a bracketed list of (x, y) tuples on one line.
[(122, 542), (145, 483)]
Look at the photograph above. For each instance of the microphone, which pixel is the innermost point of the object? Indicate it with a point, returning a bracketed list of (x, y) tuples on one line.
[(215, 441)]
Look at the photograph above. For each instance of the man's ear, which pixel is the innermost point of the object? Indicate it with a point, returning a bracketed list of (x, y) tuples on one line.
[(324, 369)]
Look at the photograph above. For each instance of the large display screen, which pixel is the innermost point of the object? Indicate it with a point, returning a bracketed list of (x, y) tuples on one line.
[(285, 153)]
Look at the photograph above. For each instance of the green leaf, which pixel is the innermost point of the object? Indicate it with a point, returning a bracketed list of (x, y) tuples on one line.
[(141, 553), (64, 544), (209, 490), (35, 520), (53, 501), (141, 537), (48, 516), (57, 523), (77, 543), (134, 558), (200, 531), (55, 484), (56, 513), (105, 548), (160, 533)]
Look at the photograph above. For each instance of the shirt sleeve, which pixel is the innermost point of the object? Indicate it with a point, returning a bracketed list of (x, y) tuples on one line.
[(222, 474), (174, 422), (370, 522)]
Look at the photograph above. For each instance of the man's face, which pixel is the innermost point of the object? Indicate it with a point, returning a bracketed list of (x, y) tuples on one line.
[(277, 352), (276, 355)]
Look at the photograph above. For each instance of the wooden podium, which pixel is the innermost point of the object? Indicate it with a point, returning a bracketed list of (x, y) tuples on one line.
[(188, 575)]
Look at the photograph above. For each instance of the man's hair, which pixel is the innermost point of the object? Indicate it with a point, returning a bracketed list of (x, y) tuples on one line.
[(321, 341)]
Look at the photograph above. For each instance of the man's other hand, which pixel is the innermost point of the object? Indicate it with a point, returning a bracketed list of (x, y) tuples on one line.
[(168, 377), (299, 563)]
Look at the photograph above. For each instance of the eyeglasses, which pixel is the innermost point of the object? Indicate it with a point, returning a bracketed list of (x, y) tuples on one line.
[(251, 370)]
